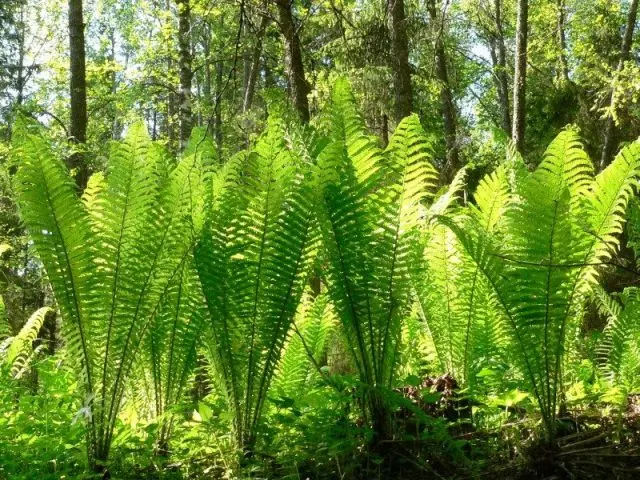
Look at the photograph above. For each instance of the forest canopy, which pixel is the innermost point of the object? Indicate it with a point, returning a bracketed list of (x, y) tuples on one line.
[(319, 239)]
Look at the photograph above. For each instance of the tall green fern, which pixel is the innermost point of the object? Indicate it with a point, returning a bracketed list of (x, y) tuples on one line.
[(110, 257), (618, 352), (453, 296), (253, 262), (314, 324), (540, 268), (172, 345), (369, 213)]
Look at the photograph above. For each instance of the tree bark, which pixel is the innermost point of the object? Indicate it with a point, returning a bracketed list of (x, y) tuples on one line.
[(186, 72), (401, 71), (78, 92), (217, 108), (20, 80), (520, 76), (500, 69), (562, 41), (254, 68), (298, 87), (385, 130), (446, 97), (609, 144)]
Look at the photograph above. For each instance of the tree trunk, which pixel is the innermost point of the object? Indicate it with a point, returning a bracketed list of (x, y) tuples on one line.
[(20, 80), (385, 130), (520, 76), (78, 91), (116, 126), (186, 72), (255, 65), (207, 80), (446, 98), (610, 143), (217, 108), (397, 25), (562, 41), (298, 87), (500, 69)]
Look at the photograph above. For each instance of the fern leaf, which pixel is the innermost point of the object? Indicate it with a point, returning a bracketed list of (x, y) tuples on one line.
[(253, 261), (20, 348), (618, 349)]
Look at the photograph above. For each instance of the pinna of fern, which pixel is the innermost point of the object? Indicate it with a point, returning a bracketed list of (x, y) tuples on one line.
[(369, 213), (560, 222), (253, 261), (109, 257)]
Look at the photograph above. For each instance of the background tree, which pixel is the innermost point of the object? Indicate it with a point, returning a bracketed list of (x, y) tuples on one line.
[(520, 76), (77, 92)]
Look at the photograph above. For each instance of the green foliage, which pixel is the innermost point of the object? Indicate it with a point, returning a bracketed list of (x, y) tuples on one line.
[(110, 257), (253, 260), (16, 352), (303, 354), (161, 260), (171, 347), (618, 351), (541, 264), (369, 215), (39, 431), (5, 331)]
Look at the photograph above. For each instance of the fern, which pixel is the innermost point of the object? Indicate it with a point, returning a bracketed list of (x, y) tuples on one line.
[(17, 351), (305, 348), (539, 267), (253, 262), (172, 345), (109, 258), (453, 297), (369, 215), (618, 351)]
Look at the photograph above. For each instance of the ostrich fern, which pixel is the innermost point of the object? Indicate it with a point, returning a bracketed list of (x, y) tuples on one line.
[(618, 352), (298, 368), (110, 257), (253, 262), (17, 351), (540, 264), (370, 208), (171, 346)]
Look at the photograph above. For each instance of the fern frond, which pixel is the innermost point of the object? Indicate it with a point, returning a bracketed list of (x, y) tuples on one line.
[(172, 344), (19, 348), (253, 261), (110, 257), (449, 195), (453, 297), (565, 164), (347, 126), (314, 324), (61, 231), (607, 203), (618, 350), (607, 305), (371, 232)]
